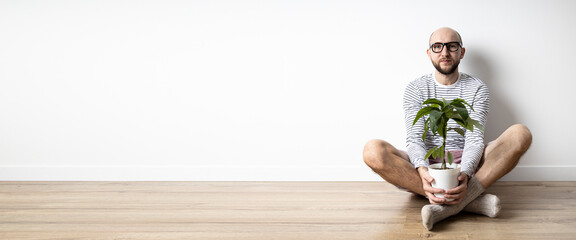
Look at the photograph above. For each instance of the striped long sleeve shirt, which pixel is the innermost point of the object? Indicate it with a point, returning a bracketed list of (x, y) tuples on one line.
[(467, 87)]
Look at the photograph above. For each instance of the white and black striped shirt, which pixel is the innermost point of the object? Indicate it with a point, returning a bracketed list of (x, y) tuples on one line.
[(467, 87)]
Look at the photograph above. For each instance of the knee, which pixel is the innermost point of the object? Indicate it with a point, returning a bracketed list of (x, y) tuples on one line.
[(522, 136), (374, 152)]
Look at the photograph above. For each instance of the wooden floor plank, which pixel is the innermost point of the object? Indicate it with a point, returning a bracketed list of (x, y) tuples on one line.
[(270, 210)]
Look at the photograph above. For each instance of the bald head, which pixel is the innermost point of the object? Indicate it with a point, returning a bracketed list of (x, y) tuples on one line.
[(445, 34)]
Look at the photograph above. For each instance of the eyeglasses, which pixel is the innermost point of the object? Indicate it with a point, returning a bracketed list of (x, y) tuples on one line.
[(438, 47)]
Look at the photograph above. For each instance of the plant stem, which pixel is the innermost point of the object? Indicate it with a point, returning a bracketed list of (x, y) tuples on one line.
[(443, 166)]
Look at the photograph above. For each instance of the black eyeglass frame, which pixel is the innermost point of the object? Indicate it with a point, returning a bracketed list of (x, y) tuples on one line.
[(444, 44)]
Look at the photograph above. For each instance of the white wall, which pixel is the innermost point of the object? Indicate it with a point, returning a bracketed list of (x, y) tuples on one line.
[(261, 90)]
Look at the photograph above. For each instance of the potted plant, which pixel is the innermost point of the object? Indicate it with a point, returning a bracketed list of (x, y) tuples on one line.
[(439, 113)]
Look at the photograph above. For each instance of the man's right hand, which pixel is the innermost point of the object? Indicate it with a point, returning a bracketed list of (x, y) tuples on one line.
[(427, 180)]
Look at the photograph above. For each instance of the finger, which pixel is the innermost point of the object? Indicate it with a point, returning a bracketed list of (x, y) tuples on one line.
[(435, 200), (457, 190), (429, 188), (435, 203), (462, 187), (426, 176), (454, 196), (461, 177), (455, 202)]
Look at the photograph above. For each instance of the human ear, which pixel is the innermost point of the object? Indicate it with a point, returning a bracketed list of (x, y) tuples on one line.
[(463, 50)]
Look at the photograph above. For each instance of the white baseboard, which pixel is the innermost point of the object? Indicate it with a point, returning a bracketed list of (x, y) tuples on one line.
[(186, 173), (542, 173), (241, 173)]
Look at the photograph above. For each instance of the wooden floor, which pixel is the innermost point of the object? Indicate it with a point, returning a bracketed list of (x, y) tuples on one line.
[(269, 210)]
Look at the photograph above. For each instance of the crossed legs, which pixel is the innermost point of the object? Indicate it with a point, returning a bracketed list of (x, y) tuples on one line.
[(499, 158)]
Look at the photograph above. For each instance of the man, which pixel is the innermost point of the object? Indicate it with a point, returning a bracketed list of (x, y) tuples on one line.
[(481, 165)]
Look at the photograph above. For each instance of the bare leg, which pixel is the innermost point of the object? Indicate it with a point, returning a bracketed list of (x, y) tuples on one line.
[(503, 154), (392, 165)]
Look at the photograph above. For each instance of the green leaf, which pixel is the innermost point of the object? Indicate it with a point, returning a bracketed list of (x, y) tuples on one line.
[(459, 100), (433, 101), (470, 125), (458, 130), (430, 152), (456, 116), (446, 102), (442, 126), (426, 127), (460, 122), (450, 158), (439, 152), (477, 124), (423, 111), (435, 120), (463, 112), (458, 103)]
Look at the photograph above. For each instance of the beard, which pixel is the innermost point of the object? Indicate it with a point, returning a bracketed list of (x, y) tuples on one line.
[(446, 71)]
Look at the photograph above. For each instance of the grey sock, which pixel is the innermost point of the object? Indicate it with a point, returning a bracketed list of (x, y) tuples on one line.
[(432, 214), (485, 204)]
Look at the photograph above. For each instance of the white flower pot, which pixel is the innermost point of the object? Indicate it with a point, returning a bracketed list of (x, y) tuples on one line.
[(444, 178)]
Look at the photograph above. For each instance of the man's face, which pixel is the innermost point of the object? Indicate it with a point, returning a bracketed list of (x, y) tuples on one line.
[(446, 60)]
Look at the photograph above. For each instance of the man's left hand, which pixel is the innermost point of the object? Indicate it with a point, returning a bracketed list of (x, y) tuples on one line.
[(458, 193)]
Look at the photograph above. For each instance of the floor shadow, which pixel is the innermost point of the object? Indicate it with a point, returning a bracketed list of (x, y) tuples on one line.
[(501, 115)]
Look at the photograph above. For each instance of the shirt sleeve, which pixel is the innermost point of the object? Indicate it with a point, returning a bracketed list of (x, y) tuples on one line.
[(416, 148), (474, 140)]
